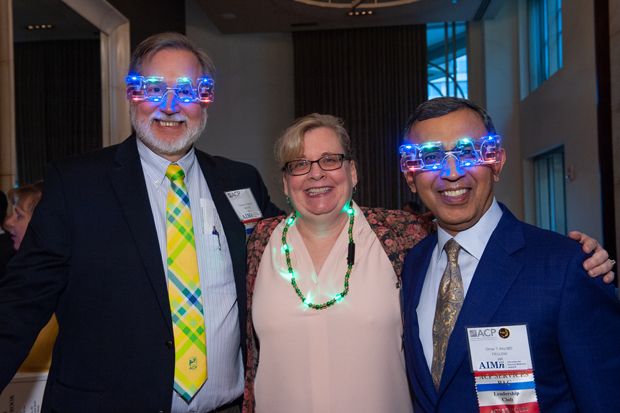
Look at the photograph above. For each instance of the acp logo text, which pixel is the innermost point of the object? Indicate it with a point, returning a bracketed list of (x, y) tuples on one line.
[(483, 332)]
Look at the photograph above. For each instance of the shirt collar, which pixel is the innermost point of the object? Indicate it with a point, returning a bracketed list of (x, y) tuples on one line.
[(473, 240), (155, 166)]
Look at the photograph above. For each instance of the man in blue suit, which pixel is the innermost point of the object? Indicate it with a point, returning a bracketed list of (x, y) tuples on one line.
[(487, 271)]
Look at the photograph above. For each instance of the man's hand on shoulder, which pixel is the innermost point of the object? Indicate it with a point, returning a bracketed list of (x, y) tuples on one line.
[(599, 263)]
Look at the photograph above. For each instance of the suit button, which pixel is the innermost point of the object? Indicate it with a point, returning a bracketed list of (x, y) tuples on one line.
[(170, 345)]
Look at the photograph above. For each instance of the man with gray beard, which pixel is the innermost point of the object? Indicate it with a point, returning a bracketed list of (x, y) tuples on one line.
[(139, 250)]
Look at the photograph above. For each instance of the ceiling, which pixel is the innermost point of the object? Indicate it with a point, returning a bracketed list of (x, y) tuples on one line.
[(66, 23), (255, 16)]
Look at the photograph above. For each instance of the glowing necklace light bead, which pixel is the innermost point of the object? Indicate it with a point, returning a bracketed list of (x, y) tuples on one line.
[(350, 260)]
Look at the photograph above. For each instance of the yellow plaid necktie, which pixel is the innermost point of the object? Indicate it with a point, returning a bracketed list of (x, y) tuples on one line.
[(449, 302), (190, 370)]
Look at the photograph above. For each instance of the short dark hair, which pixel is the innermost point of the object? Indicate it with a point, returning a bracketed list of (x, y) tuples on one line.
[(438, 107), (164, 41)]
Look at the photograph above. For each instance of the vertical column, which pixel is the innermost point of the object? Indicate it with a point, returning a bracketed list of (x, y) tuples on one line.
[(7, 97)]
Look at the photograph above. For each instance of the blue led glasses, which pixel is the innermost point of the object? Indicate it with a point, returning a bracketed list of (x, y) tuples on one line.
[(432, 156), (154, 89)]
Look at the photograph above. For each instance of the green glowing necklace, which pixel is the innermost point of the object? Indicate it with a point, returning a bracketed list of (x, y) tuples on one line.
[(350, 261)]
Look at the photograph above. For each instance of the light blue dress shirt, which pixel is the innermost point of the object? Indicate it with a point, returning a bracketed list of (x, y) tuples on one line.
[(473, 242), (224, 363)]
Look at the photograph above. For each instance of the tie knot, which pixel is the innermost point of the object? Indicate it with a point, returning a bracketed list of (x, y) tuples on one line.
[(452, 249), (175, 173)]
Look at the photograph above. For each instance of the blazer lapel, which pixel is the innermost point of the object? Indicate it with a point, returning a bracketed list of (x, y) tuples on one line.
[(493, 278), (418, 276), (128, 182)]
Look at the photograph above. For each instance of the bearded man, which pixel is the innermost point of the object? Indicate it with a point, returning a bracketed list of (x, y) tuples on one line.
[(139, 250)]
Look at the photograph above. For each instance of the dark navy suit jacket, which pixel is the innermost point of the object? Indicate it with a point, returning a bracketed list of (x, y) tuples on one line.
[(525, 276), (91, 255)]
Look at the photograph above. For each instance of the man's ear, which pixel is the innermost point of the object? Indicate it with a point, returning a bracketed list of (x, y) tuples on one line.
[(410, 178), (497, 167)]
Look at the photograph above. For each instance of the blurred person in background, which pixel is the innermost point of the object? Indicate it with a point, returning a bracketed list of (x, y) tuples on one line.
[(6, 243), (412, 207), (24, 199)]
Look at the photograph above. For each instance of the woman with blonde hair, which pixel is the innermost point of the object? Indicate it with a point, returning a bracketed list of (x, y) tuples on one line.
[(24, 199)]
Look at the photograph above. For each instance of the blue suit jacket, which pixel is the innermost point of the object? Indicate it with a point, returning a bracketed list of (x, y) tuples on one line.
[(91, 255), (525, 276)]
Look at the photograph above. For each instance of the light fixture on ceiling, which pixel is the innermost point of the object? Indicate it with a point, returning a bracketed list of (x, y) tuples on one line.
[(361, 13), (345, 4), (39, 26)]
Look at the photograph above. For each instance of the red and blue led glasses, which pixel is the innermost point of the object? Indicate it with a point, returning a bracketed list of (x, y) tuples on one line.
[(432, 156), (154, 89)]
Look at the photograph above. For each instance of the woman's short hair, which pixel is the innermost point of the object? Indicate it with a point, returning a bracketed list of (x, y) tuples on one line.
[(164, 41), (290, 145), (26, 196)]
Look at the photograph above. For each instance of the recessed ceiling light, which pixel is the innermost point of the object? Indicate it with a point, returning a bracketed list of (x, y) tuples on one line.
[(39, 26), (360, 13)]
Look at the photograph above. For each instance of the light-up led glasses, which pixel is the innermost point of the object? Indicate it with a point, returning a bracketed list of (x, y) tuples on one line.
[(432, 156), (154, 89)]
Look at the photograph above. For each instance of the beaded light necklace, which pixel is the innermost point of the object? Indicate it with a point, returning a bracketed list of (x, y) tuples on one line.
[(350, 262)]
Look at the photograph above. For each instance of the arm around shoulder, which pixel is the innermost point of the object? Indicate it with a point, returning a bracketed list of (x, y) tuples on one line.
[(588, 334)]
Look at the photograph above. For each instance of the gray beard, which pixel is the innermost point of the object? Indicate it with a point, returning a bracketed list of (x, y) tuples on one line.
[(145, 133)]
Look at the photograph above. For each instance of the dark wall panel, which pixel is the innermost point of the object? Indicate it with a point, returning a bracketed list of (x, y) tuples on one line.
[(152, 17)]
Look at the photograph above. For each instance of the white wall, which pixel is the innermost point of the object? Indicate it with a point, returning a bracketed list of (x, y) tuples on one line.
[(561, 110), (501, 44), (254, 96)]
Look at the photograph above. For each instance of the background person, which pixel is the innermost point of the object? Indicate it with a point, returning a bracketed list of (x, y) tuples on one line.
[(24, 200), (6, 242), (412, 207)]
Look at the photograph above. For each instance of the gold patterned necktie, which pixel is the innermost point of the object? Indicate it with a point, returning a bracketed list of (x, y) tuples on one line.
[(190, 369), (449, 302)]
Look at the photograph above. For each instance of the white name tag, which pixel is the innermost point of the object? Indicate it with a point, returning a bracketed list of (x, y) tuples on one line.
[(502, 365), (244, 204)]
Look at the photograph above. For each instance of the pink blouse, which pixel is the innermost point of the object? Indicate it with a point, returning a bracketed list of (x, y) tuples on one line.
[(346, 358)]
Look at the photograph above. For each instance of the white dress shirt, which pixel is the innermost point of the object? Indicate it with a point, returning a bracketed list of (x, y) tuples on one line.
[(224, 363), (473, 241)]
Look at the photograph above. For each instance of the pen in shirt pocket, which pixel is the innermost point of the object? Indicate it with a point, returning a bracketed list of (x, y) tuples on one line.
[(218, 237)]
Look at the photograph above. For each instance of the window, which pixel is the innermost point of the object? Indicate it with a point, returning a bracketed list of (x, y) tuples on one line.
[(447, 59), (550, 195), (545, 39)]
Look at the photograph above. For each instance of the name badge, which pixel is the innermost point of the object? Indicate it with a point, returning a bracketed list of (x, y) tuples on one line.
[(502, 366), (244, 204)]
